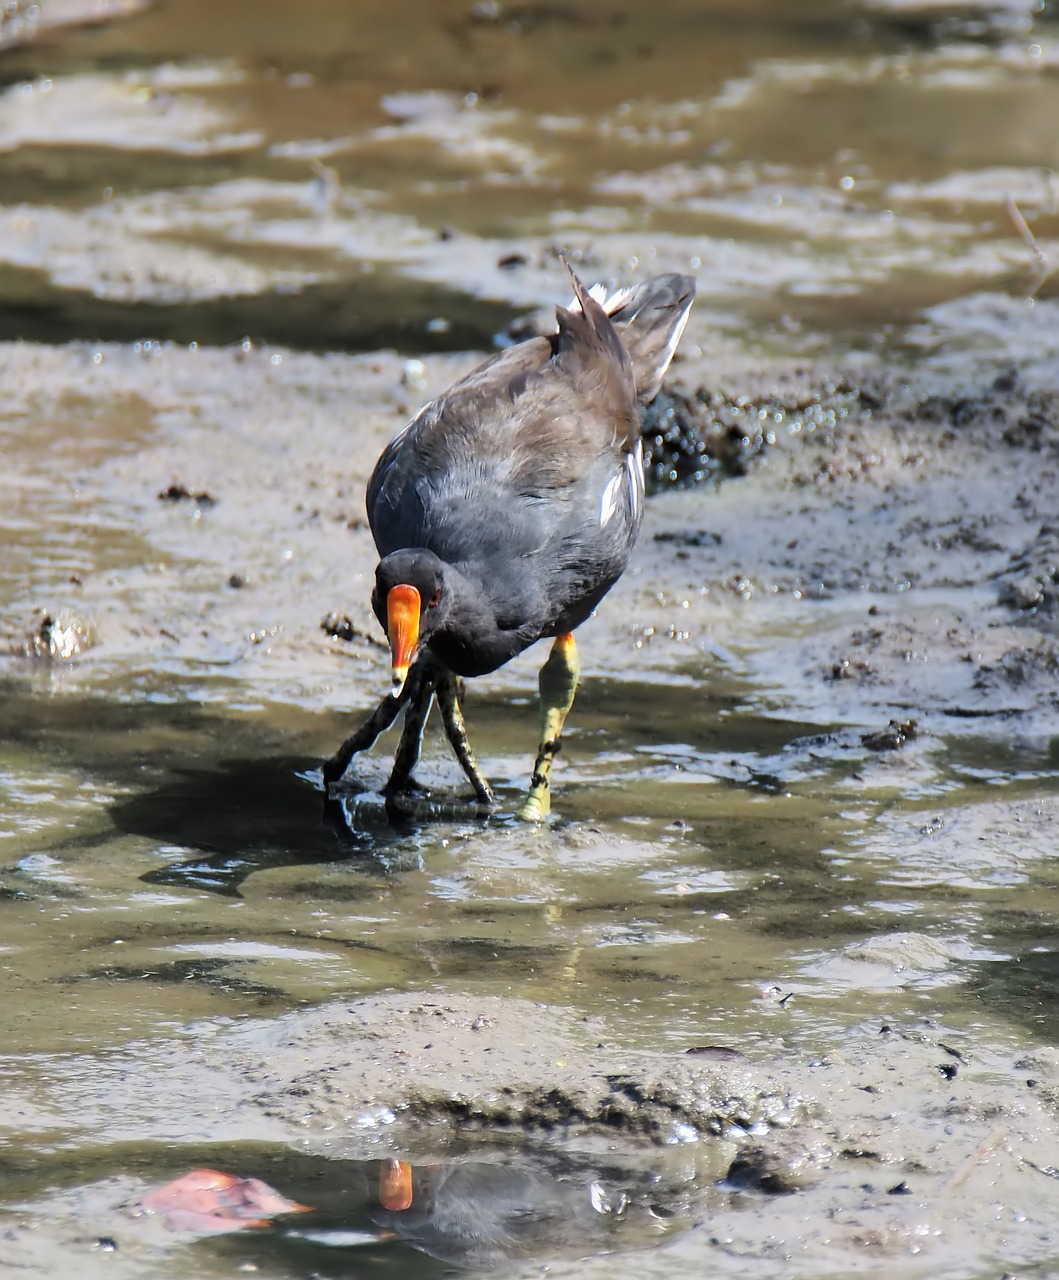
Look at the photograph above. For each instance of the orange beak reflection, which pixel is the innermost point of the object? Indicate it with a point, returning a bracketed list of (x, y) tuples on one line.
[(395, 1186), (403, 607)]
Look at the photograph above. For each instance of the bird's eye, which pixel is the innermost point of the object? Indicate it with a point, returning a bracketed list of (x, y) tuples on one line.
[(435, 599)]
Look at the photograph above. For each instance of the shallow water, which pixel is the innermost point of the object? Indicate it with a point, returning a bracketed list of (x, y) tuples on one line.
[(693, 870), (182, 175), (174, 865), (729, 864)]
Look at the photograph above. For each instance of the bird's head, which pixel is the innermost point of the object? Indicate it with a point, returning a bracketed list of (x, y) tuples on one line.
[(411, 602)]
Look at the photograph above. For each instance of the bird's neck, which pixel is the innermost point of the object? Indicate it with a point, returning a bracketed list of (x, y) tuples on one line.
[(473, 642)]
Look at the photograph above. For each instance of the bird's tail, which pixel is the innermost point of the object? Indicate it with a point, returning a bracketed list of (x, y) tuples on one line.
[(590, 351), (650, 318)]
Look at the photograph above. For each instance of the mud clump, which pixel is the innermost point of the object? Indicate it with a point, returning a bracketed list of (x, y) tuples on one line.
[(1023, 666), (777, 1170), (181, 493), (453, 1066), (893, 737), (694, 436), (658, 1108), (339, 626), (61, 635), (1031, 583)]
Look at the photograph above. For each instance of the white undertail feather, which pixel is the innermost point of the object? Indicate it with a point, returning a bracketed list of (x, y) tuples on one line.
[(674, 339), (615, 302)]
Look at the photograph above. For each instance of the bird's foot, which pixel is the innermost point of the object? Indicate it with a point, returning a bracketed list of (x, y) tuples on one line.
[(558, 684), (431, 806), (538, 802), (534, 809), (334, 770), (407, 787)]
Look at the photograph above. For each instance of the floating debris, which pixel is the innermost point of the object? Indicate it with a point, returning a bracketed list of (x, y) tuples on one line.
[(207, 1201)]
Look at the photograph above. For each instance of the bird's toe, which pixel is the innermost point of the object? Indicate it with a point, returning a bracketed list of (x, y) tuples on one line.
[(536, 806), (408, 787)]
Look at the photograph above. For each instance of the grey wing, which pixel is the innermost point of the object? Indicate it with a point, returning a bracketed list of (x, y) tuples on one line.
[(535, 444), (456, 439)]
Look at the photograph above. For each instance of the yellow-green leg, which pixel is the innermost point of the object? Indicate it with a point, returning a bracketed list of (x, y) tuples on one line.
[(365, 737), (407, 755), (558, 684), (448, 692)]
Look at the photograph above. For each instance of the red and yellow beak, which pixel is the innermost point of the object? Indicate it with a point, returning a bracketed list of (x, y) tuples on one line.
[(403, 608)]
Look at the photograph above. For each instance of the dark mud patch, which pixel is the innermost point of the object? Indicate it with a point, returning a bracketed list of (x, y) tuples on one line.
[(689, 438)]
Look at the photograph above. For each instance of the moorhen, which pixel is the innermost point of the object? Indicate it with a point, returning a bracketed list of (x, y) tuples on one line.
[(506, 510)]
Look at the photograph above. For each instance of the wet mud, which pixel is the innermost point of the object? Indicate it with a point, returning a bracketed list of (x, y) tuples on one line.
[(772, 993), (537, 1140), (858, 576)]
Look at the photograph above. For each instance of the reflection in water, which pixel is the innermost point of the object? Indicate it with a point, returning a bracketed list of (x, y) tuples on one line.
[(483, 1214), (262, 1206), (480, 1214)]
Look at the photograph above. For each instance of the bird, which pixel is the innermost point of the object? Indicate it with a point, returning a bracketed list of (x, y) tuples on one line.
[(505, 511)]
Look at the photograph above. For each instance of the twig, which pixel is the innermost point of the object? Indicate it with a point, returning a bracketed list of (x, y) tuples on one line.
[(978, 1157), (1044, 267)]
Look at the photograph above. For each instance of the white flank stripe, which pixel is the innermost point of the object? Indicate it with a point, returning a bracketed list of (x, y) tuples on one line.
[(609, 502), (634, 461)]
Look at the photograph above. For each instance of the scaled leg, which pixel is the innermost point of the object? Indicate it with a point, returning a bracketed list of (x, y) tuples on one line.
[(558, 684), (456, 732), (424, 677), (365, 737)]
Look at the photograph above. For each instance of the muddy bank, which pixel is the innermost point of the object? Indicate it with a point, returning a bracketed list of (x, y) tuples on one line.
[(880, 576), (890, 553), (901, 555), (808, 791), (898, 1141)]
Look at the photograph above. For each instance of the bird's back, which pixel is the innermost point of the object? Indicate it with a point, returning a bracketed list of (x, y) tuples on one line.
[(527, 473)]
